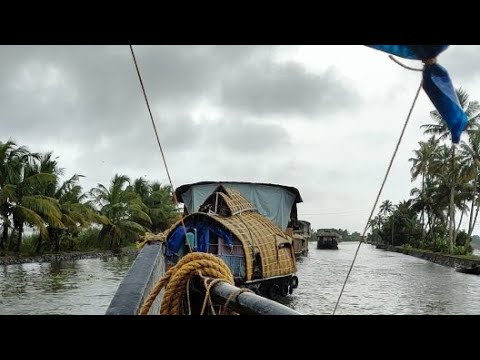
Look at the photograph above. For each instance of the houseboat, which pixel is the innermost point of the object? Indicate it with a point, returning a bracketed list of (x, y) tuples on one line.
[(250, 226), (327, 239), (301, 237)]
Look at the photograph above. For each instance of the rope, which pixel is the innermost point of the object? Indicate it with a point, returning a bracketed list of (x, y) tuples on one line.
[(176, 279), (403, 65), (235, 295), (175, 200), (208, 285), (149, 238), (379, 192)]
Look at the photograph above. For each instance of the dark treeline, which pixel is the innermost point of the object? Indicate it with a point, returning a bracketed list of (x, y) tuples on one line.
[(447, 195), (63, 217)]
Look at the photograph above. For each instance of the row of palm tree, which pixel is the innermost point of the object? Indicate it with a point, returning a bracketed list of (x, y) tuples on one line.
[(32, 194), (449, 184)]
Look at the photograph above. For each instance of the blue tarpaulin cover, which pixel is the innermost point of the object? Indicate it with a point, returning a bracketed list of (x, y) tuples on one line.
[(436, 83), (204, 227), (274, 202)]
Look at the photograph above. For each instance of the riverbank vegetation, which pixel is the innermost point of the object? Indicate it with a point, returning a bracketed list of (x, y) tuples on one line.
[(447, 197), (60, 216)]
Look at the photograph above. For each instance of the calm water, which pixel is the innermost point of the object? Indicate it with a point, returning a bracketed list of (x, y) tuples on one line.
[(380, 283), (70, 287)]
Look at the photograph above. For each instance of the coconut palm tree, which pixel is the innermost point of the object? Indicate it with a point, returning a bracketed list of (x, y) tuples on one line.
[(30, 206), (423, 158), (159, 202), (471, 166), (11, 164), (371, 224), (439, 128), (161, 207), (421, 165), (387, 207), (76, 211), (123, 208)]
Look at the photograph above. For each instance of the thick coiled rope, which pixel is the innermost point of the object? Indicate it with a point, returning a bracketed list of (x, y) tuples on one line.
[(177, 277)]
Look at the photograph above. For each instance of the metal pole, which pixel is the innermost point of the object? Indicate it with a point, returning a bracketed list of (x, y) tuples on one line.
[(246, 303)]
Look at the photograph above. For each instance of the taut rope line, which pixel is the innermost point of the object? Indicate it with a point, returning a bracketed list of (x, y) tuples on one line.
[(158, 139), (381, 188)]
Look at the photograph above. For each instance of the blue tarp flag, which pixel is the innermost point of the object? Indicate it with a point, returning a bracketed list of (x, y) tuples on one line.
[(436, 83)]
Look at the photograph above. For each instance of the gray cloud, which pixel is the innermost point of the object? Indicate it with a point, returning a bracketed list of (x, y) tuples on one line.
[(461, 61), (285, 89), (222, 112), (249, 137)]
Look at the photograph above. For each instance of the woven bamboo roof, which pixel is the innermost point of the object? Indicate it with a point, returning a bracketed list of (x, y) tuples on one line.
[(327, 232), (230, 198), (255, 232), (258, 234)]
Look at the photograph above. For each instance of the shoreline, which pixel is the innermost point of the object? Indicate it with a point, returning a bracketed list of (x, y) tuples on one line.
[(64, 256), (437, 258)]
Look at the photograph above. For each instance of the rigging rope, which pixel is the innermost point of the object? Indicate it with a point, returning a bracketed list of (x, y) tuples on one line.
[(381, 187), (175, 200)]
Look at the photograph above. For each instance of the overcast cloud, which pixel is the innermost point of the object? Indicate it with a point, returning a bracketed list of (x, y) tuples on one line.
[(321, 118)]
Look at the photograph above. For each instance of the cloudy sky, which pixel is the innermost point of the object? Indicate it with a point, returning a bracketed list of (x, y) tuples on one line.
[(324, 119)]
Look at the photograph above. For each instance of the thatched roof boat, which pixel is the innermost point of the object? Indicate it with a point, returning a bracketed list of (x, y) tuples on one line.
[(248, 225)]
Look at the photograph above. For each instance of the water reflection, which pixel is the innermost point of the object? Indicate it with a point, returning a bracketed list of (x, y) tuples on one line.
[(67, 287)]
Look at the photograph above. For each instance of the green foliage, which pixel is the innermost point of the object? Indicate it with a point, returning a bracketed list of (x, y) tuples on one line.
[(462, 237), (31, 194), (88, 239), (441, 246), (460, 250), (29, 245)]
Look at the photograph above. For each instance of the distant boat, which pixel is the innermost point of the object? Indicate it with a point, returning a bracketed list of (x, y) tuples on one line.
[(301, 238), (327, 239)]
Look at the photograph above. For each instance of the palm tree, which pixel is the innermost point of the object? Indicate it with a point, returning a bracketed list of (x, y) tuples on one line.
[(123, 208), (423, 158), (141, 187), (371, 224), (30, 207), (379, 223), (76, 211), (421, 164), (159, 202), (471, 167), (443, 170), (161, 207), (387, 207), (472, 111), (11, 164)]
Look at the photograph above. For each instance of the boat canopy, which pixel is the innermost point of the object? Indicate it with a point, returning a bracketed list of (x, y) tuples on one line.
[(262, 241), (271, 200)]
